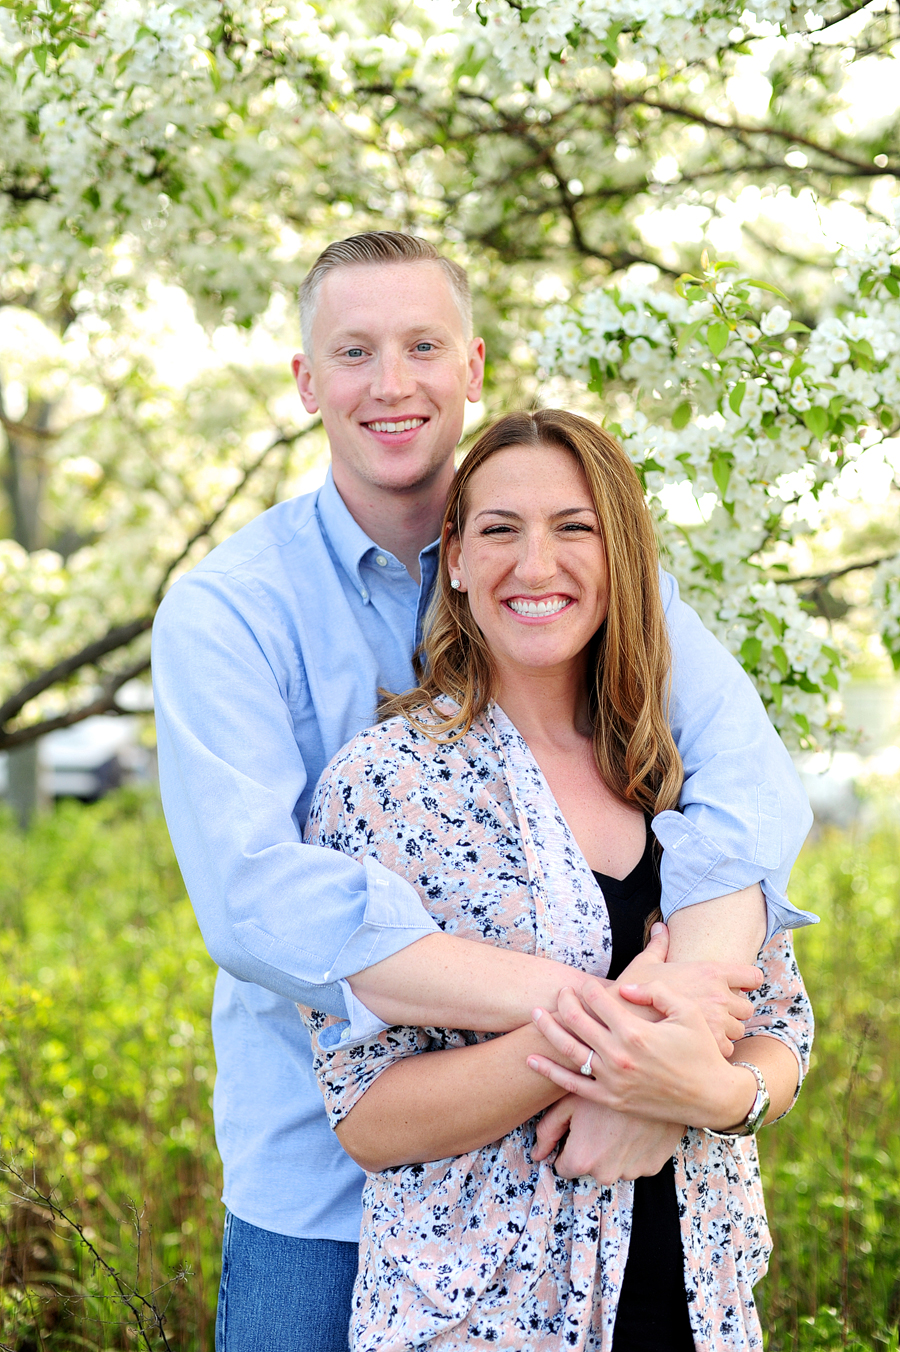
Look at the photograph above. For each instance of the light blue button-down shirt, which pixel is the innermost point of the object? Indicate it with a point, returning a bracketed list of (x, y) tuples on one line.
[(266, 661)]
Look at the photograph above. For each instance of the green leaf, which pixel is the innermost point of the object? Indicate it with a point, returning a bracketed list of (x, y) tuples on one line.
[(802, 723), (91, 196), (780, 658), (689, 333), (830, 679), (751, 651), (862, 348), (682, 416), (892, 285), (40, 58), (736, 397), (816, 420), (809, 686), (777, 693), (695, 293), (775, 624), (796, 327), (717, 337), (721, 469), (832, 654), (595, 384), (766, 286)]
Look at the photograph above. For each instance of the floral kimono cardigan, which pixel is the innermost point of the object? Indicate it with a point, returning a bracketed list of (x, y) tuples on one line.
[(489, 1250)]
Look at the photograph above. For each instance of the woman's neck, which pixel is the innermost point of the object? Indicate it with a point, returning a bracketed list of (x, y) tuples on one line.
[(548, 708)]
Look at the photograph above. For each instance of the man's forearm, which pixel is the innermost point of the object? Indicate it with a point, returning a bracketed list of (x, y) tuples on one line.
[(444, 982), (726, 929)]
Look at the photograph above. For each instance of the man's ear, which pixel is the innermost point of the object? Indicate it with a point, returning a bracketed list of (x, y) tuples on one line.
[(302, 370), (476, 370)]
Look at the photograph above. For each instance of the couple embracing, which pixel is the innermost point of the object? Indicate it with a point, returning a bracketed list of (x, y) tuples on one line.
[(502, 1118)]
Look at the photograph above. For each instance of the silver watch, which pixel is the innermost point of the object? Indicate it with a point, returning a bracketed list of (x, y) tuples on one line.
[(758, 1108)]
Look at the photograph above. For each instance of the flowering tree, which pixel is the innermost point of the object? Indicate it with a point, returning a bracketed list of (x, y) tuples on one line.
[(755, 414), (217, 147)]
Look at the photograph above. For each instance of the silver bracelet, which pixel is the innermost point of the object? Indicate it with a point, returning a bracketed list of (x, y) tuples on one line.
[(758, 1108)]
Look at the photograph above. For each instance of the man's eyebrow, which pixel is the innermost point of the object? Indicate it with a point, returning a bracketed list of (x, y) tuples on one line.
[(344, 336)]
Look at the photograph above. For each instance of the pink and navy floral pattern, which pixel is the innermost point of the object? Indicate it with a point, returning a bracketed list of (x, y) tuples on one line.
[(489, 1250)]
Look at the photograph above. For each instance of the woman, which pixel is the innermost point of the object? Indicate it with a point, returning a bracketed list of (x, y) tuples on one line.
[(513, 789)]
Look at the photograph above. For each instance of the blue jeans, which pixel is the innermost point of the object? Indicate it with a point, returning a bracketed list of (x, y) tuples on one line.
[(280, 1294)]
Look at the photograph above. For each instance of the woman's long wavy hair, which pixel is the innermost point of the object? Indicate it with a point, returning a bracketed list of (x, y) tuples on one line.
[(628, 674)]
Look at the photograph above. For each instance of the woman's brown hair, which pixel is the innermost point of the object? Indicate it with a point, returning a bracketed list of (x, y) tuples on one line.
[(630, 661)]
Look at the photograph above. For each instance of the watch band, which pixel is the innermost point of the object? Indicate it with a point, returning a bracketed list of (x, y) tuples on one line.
[(758, 1108)]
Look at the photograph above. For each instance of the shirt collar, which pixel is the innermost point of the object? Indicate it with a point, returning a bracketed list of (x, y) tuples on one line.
[(347, 538)]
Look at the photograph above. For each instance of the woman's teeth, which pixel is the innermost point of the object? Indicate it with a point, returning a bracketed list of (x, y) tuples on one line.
[(538, 609)]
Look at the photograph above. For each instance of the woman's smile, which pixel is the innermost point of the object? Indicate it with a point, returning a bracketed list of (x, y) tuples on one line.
[(537, 608)]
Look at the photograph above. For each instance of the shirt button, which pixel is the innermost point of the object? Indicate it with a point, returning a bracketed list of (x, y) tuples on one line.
[(381, 560), (364, 594)]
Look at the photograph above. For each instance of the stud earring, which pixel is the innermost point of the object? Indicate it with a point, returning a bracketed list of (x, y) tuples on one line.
[(454, 583)]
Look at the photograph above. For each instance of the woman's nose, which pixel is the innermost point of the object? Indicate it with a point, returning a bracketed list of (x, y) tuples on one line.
[(537, 560)]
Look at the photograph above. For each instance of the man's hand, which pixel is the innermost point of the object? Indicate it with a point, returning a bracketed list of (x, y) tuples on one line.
[(601, 1142), (716, 987)]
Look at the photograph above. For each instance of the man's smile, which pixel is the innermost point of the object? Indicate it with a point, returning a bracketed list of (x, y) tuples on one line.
[(403, 425)]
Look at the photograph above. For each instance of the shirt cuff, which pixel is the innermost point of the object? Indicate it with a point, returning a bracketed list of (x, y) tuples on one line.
[(695, 870), (361, 1025), (394, 918)]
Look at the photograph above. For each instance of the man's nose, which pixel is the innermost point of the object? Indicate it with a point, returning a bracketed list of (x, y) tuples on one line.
[(392, 379)]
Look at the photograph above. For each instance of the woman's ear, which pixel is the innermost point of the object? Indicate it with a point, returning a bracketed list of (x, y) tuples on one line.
[(454, 561)]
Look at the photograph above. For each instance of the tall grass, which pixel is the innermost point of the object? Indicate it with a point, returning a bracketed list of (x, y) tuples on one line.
[(106, 1070)]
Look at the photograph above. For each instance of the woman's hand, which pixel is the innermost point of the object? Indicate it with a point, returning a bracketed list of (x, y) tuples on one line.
[(717, 987), (665, 1070), (601, 1142)]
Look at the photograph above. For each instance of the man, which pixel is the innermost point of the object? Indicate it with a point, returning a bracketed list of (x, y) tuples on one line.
[(267, 659)]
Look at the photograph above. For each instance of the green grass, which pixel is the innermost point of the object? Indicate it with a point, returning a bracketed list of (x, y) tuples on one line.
[(106, 1070)]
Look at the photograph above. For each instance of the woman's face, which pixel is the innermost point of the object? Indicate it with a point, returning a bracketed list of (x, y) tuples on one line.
[(532, 559)]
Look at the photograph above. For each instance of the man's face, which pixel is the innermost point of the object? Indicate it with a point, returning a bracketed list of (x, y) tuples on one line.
[(390, 374)]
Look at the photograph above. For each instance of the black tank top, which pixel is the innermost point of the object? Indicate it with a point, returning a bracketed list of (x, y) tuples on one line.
[(652, 1314)]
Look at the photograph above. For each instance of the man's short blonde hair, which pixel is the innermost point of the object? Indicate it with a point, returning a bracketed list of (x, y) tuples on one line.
[(379, 246)]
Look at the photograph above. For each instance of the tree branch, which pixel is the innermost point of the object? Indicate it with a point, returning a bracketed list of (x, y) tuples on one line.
[(103, 703), (824, 579), (120, 635), (859, 167)]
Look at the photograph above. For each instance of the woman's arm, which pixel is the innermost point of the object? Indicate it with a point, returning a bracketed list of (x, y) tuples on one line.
[(445, 1103)]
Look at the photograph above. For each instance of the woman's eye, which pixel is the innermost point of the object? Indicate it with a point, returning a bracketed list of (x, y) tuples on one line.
[(578, 526), (497, 530)]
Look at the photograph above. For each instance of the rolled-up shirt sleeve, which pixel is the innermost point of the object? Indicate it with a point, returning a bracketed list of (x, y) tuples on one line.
[(289, 916), (743, 812)]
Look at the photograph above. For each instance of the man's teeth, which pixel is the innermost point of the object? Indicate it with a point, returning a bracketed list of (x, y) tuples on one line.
[(538, 609), (406, 426)]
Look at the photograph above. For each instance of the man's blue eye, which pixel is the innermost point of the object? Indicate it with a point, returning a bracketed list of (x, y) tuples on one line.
[(424, 347), (354, 351)]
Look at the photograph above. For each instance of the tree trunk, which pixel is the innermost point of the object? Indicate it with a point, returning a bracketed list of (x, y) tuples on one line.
[(24, 475), (24, 790)]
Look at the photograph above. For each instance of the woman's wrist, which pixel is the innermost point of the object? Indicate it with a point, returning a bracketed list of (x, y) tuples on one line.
[(736, 1098)]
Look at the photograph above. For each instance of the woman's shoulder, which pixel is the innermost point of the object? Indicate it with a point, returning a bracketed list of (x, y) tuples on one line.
[(390, 751)]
